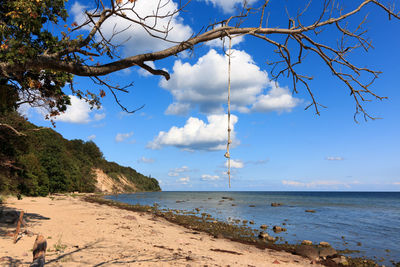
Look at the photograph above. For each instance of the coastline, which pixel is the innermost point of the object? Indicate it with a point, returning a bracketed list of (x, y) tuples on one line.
[(80, 233)]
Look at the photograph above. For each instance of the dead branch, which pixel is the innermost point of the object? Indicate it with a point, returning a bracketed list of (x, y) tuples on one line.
[(21, 215), (12, 129), (305, 37)]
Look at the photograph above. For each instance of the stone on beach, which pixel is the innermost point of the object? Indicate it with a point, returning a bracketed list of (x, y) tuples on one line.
[(264, 226), (341, 260), (327, 252), (275, 204), (307, 251)]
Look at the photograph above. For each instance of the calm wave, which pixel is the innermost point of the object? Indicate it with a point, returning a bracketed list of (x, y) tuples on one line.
[(364, 221)]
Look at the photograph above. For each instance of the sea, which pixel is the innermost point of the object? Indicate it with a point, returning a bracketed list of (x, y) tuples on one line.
[(367, 223)]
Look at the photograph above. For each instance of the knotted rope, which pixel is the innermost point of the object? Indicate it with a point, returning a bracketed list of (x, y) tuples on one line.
[(227, 155)]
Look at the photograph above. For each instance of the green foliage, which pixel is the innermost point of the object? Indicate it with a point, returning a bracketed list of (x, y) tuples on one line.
[(23, 37), (40, 161)]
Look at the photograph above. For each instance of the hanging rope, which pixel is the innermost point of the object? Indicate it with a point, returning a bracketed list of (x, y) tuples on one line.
[(227, 155)]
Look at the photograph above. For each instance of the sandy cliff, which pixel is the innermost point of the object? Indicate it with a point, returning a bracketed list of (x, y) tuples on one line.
[(107, 184)]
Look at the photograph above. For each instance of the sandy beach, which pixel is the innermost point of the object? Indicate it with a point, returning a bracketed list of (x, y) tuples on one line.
[(79, 233)]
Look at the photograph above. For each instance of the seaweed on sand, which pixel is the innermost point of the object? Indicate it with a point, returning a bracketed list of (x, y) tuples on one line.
[(236, 232)]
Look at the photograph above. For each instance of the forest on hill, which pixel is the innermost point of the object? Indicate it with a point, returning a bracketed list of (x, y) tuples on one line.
[(36, 161)]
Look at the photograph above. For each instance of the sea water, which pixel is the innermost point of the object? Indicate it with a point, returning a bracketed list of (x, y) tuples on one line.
[(368, 222)]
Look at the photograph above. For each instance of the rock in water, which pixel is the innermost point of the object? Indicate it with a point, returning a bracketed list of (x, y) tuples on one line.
[(266, 236), (263, 235), (278, 229), (264, 226), (324, 244), (306, 242), (312, 211), (275, 204)]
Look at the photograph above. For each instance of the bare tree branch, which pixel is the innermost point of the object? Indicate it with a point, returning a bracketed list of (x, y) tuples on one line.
[(305, 38)]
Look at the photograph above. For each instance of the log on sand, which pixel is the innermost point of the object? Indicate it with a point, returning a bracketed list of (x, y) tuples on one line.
[(39, 251)]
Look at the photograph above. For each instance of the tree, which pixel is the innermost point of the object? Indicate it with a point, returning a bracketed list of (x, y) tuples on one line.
[(36, 63)]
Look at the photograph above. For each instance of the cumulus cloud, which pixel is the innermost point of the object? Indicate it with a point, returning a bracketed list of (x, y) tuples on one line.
[(178, 171), (238, 164), (78, 112), (228, 6), (204, 85), (320, 183), (207, 177), (334, 158), (278, 99), (197, 134), (91, 137), (145, 160), (135, 38), (121, 137), (184, 180)]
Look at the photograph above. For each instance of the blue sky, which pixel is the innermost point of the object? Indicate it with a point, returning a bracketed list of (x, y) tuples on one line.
[(179, 137)]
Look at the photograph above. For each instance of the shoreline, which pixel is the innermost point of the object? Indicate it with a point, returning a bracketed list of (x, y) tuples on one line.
[(88, 230), (80, 233)]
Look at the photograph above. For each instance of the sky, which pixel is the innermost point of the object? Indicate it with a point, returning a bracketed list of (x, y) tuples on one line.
[(179, 136)]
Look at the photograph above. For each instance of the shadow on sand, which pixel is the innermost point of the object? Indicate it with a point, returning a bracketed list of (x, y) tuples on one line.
[(9, 218)]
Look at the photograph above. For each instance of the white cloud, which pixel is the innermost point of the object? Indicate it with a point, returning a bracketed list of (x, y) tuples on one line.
[(91, 137), (396, 183), (207, 177), (184, 180), (135, 39), (204, 85), (178, 108), (320, 183), (178, 171), (278, 99), (293, 183), (146, 160), (99, 116), (238, 164), (120, 137), (334, 158), (77, 112), (228, 6), (197, 134)]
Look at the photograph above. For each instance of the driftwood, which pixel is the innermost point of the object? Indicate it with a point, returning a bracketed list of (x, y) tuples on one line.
[(21, 216), (39, 251)]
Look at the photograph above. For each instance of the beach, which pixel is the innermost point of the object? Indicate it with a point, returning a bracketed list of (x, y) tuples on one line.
[(80, 233)]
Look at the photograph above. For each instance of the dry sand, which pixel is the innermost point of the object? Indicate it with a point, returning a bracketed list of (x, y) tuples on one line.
[(79, 233)]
